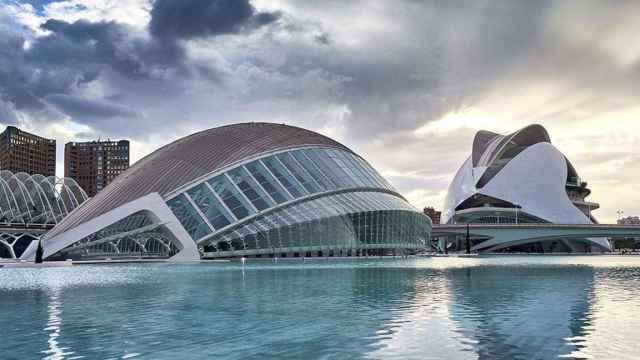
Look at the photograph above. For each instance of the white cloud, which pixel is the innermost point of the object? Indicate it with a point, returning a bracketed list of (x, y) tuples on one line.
[(131, 12)]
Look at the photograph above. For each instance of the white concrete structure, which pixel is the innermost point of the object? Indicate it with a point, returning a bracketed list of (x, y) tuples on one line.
[(520, 178)]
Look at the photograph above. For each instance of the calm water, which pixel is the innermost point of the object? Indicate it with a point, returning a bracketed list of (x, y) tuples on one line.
[(441, 308)]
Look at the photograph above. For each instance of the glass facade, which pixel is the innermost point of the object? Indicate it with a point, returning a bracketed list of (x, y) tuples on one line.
[(252, 189), (189, 218), (341, 224), (314, 201)]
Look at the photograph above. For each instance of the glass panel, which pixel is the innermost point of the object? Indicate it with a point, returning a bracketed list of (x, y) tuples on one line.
[(299, 173), (284, 177), (231, 197), (267, 182), (312, 169), (330, 168), (368, 178), (206, 201), (346, 167), (375, 173), (250, 188), (188, 217)]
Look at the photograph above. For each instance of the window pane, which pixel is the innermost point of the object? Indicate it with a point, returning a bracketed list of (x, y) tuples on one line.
[(217, 215), (283, 176), (299, 173), (339, 157), (312, 169), (367, 178), (250, 188), (267, 182), (231, 197), (188, 217), (330, 168), (374, 173)]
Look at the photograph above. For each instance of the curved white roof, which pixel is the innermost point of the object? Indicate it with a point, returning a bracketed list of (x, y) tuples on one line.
[(522, 170)]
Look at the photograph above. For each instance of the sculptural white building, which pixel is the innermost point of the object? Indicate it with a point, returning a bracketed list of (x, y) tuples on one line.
[(521, 178)]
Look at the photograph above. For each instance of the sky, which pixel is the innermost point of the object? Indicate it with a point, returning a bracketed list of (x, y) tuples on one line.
[(404, 83)]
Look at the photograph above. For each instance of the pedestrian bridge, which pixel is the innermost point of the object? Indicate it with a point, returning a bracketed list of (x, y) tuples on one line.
[(497, 236)]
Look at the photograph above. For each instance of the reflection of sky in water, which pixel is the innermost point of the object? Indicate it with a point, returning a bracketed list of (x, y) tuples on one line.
[(446, 308)]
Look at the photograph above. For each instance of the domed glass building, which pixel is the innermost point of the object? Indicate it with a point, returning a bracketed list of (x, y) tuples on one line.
[(251, 189)]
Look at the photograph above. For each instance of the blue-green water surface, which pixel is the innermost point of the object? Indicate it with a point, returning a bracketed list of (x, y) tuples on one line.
[(513, 307)]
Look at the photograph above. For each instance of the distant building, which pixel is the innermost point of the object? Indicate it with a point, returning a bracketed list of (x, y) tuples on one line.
[(433, 214), (94, 164), (629, 220), (21, 151), (627, 242)]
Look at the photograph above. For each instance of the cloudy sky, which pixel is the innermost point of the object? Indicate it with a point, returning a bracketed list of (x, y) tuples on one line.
[(404, 83)]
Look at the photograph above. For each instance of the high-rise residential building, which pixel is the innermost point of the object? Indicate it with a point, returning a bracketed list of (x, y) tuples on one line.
[(94, 164), (433, 214), (21, 151)]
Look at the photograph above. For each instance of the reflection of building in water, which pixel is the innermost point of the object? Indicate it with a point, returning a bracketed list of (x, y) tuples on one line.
[(54, 323), (614, 320), (423, 328), (522, 312)]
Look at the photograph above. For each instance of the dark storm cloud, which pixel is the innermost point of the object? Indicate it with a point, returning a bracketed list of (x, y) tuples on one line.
[(89, 47), (38, 71), (100, 109), (73, 54), (187, 19)]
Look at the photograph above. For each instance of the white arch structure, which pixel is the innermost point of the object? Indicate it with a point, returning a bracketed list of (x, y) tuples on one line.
[(31, 203)]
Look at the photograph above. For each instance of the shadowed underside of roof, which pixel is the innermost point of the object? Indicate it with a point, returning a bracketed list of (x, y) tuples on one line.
[(189, 158)]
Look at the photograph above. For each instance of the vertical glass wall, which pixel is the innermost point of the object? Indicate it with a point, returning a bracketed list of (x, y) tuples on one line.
[(351, 222)]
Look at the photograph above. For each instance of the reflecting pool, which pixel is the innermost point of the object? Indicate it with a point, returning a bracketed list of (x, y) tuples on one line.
[(508, 307)]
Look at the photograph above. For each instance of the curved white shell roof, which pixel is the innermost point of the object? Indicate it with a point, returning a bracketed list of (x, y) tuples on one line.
[(523, 169)]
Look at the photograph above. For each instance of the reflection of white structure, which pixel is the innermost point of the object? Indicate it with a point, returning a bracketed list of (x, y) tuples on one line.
[(253, 189), (521, 178), (499, 307)]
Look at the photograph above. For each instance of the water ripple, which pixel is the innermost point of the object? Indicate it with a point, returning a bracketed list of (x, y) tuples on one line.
[(446, 308)]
